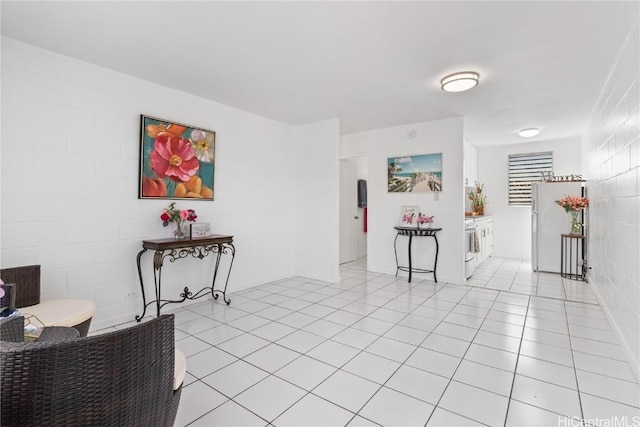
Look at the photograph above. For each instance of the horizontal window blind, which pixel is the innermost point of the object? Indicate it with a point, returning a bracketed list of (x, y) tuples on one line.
[(523, 170)]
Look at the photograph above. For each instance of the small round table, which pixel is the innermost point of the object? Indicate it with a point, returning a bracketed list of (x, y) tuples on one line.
[(412, 232)]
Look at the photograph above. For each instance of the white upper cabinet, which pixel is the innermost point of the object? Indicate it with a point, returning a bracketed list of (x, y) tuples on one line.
[(470, 153)]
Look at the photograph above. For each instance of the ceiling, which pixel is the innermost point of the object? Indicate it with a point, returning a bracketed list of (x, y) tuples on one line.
[(369, 64)]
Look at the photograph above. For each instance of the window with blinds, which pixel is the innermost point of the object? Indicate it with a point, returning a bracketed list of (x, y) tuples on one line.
[(523, 170)]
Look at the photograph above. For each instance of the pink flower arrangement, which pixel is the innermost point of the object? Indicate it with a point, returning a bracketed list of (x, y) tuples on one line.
[(573, 203), (424, 219), (173, 214)]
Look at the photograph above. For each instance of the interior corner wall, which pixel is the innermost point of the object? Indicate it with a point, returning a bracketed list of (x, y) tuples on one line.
[(70, 156), (384, 208), (317, 200), (512, 224), (612, 170)]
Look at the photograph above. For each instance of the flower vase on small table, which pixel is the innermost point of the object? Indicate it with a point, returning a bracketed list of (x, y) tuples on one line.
[(424, 221), (574, 205), (576, 225), (179, 232), (179, 218)]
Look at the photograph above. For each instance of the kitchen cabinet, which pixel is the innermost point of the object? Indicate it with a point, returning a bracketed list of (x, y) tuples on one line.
[(485, 236), (470, 155)]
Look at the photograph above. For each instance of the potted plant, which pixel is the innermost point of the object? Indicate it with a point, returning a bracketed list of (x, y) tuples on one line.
[(478, 200), (424, 219)]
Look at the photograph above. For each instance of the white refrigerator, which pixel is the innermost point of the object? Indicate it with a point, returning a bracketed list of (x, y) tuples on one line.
[(548, 221)]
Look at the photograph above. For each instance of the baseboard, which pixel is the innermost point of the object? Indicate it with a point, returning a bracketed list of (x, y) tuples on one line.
[(632, 358)]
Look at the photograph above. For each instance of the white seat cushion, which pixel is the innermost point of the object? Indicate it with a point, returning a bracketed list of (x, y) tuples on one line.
[(60, 312), (179, 369)]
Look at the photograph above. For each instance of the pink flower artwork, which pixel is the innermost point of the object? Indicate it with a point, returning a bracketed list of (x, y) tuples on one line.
[(174, 157), (177, 161)]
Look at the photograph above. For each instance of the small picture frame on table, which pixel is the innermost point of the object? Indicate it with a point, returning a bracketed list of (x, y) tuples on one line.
[(409, 216), (200, 229)]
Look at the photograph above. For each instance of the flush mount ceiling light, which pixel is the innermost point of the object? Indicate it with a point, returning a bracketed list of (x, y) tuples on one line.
[(528, 133), (459, 82)]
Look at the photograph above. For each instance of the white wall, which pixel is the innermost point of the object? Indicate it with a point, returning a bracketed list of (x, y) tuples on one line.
[(512, 224), (612, 166), (70, 155), (442, 136), (317, 200)]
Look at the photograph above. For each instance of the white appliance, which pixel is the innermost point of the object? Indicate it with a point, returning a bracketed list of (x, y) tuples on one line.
[(470, 255), (548, 222)]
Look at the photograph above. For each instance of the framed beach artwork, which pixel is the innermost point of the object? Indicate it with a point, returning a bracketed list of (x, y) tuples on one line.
[(177, 161), (414, 174)]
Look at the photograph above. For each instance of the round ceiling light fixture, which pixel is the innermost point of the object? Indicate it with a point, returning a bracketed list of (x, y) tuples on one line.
[(529, 132), (459, 82)]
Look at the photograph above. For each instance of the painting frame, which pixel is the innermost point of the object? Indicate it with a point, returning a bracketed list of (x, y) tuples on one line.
[(177, 161), (200, 229), (417, 173), (413, 211)]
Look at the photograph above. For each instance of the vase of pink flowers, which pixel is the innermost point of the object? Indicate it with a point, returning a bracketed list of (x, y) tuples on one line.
[(424, 220), (574, 205), (179, 218)]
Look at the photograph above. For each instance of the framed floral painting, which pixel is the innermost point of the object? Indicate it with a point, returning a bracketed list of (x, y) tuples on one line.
[(409, 215), (177, 161)]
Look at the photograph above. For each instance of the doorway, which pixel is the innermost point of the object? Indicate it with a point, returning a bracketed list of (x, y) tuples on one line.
[(353, 237)]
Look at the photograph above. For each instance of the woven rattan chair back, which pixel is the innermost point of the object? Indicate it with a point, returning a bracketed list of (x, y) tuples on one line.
[(121, 378), (26, 282)]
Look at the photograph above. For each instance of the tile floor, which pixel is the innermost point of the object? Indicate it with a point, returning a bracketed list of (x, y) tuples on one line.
[(517, 276), (376, 350)]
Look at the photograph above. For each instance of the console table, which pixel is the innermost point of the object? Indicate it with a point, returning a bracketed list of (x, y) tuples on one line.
[(412, 232), (174, 249)]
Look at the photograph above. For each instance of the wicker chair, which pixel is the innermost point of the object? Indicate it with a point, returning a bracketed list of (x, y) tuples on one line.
[(62, 312), (121, 378), (12, 329)]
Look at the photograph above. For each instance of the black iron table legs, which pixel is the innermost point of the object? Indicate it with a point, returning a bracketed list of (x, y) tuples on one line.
[(173, 250), (417, 232)]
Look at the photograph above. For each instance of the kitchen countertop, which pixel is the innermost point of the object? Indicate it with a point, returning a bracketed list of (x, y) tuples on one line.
[(478, 217)]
